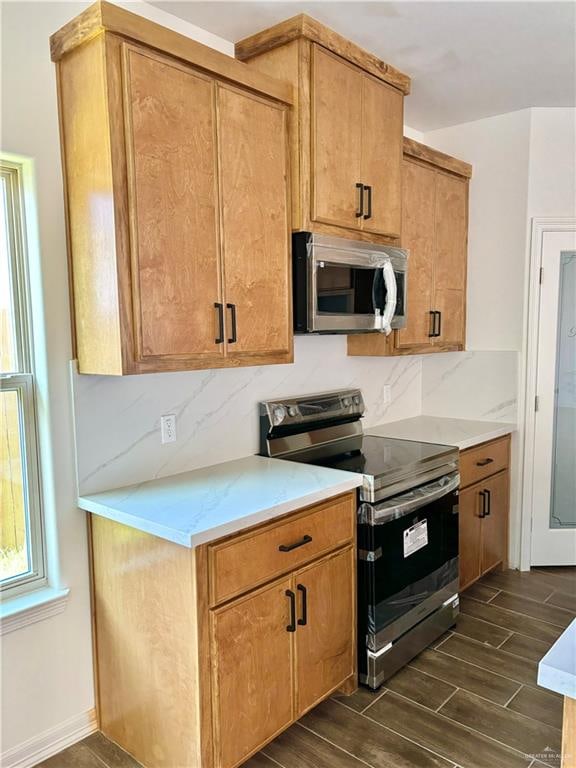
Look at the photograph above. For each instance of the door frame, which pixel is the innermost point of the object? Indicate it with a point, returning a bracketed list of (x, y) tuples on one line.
[(540, 226)]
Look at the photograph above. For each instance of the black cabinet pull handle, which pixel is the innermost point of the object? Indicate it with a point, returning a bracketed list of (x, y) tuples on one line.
[(488, 502), (234, 337), (360, 209), (220, 338), (483, 497), (439, 331), (432, 332), (484, 462), (304, 618), (292, 597), (289, 547), (368, 188)]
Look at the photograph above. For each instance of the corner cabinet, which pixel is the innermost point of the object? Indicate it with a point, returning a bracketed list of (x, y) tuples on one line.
[(176, 170), (239, 637), (484, 509), (347, 127), (435, 232)]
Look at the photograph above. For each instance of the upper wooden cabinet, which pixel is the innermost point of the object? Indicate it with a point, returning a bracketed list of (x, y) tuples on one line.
[(435, 231), (176, 168), (346, 128)]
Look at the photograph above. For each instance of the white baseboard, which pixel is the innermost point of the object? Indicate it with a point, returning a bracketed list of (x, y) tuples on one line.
[(50, 742)]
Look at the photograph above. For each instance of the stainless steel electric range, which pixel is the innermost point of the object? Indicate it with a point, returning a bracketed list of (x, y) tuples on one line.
[(407, 521)]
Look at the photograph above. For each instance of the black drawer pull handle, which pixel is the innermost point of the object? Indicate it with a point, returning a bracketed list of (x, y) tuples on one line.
[(484, 462), (304, 618), (220, 338), (488, 502), (360, 210), (368, 189), (439, 331), (289, 547), (292, 597), (234, 337)]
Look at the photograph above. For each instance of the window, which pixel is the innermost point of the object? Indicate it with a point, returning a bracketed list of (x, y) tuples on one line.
[(22, 561)]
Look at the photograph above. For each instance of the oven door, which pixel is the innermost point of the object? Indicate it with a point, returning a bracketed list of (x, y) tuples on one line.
[(408, 559), (349, 289)]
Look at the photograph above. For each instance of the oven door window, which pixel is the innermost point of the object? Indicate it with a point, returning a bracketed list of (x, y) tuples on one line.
[(348, 290)]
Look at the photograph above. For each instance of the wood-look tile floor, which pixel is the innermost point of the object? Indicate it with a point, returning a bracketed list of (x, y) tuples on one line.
[(470, 700)]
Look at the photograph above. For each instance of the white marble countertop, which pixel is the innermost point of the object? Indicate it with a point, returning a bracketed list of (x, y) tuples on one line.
[(461, 433), (205, 504), (557, 670)]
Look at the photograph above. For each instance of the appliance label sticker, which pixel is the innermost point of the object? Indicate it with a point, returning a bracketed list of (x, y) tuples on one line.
[(415, 538)]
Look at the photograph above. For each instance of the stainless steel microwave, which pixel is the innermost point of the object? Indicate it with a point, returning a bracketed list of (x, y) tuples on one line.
[(346, 286)]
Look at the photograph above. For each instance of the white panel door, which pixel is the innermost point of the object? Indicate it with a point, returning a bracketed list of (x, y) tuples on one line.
[(554, 476)]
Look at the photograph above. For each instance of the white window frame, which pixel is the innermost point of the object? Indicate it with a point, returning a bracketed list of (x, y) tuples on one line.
[(22, 381)]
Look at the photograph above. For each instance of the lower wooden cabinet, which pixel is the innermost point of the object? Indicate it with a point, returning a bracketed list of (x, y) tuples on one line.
[(484, 510), (253, 659), (188, 676)]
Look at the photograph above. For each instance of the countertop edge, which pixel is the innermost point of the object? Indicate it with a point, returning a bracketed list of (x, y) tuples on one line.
[(391, 430), (224, 529), (552, 672)]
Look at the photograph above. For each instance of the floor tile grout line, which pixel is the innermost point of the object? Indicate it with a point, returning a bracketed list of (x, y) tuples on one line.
[(97, 756), (499, 646), (485, 669), (272, 759), (536, 602), (439, 645), (345, 751), (482, 644), (505, 706), (499, 591), (466, 727), (408, 738), (384, 692), (455, 691), (514, 632)]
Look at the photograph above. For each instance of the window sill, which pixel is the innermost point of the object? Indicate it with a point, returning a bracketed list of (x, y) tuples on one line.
[(17, 612)]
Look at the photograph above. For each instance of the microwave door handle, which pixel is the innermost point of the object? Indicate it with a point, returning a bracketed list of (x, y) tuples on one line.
[(391, 297), (378, 300)]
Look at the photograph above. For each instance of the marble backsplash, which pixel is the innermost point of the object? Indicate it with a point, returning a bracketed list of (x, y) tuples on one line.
[(117, 418), (479, 385)]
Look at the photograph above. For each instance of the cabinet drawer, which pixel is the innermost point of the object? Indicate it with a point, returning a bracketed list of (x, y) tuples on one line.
[(484, 460), (246, 561)]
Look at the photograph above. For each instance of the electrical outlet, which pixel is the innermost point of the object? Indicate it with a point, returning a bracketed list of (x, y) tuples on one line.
[(168, 428), (387, 394)]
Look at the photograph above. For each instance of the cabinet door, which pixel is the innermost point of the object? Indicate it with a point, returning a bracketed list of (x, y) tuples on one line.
[(171, 148), (418, 223), (450, 257), (252, 672), (382, 128), (254, 182), (469, 532), (336, 139), (325, 639), (494, 526)]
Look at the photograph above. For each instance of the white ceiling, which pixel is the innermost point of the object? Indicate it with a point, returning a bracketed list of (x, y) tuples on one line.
[(467, 60)]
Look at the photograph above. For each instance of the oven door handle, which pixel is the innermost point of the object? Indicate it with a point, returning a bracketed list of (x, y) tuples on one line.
[(406, 503)]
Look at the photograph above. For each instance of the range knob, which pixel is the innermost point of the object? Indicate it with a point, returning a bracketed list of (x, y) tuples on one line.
[(278, 415), (346, 402), (292, 411), (356, 399)]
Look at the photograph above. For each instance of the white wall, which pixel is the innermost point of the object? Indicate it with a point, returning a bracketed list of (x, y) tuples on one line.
[(552, 176), (47, 682)]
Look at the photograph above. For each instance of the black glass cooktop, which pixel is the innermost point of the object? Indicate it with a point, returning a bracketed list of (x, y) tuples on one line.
[(383, 457)]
